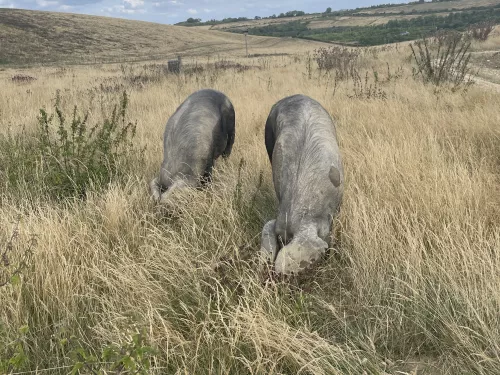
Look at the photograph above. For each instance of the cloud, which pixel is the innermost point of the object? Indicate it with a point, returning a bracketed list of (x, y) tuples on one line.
[(74, 3), (165, 7), (172, 11), (134, 3), (45, 3), (123, 9)]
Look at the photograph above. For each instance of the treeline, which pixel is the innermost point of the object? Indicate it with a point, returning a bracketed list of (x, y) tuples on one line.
[(393, 31), (359, 13), (197, 21)]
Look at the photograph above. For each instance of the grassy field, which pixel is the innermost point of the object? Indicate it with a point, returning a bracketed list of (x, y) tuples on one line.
[(387, 23), (410, 287), (362, 16), (34, 37), (314, 22), (434, 6), (486, 59)]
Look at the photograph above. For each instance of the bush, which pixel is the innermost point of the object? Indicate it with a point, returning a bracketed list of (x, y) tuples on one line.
[(342, 60), (131, 357), (481, 31), (12, 264), (445, 60), (22, 78), (66, 158), (15, 258), (364, 89)]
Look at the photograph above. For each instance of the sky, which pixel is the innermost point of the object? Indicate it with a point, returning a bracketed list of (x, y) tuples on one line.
[(172, 11)]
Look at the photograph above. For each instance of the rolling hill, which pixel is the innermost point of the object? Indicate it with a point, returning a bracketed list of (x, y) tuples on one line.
[(362, 16), (376, 25), (34, 37)]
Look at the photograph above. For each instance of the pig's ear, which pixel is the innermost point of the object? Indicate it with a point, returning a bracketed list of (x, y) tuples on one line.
[(334, 176)]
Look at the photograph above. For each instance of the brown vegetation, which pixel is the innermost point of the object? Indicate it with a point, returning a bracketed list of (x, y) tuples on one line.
[(33, 37), (412, 285)]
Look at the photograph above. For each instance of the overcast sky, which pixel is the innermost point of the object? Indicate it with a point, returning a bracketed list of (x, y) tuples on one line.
[(172, 11)]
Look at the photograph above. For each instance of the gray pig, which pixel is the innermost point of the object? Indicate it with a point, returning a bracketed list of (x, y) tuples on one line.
[(308, 177), (201, 129)]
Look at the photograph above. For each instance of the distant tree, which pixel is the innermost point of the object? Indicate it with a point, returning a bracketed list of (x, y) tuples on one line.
[(273, 16), (193, 20), (328, 10), (292, 13), (258, 18)]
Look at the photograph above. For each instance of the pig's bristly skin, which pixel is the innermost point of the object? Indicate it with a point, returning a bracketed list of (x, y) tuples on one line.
[(201, 129), (308, 177)]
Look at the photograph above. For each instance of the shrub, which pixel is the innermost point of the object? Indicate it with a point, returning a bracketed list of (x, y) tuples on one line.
[(342, 60), (364, 89), (23, 78), (75, 156), (66, 158), (12, 265), (481, 31), (13, 353), (226, 65), (132, 357), (445, 60)]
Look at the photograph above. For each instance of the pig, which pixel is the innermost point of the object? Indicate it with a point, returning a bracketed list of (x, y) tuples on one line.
[(201, 130), (308, 176)]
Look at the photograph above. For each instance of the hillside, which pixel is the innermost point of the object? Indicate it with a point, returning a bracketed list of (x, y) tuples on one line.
[(315, 21), (28, 37), (433, 6), (362, 16), (368, 26)]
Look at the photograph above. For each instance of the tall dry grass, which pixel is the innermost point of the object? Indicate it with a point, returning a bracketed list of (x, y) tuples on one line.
[(412, 284)]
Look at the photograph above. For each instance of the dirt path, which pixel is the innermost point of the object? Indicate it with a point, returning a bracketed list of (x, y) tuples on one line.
[(481, 82)]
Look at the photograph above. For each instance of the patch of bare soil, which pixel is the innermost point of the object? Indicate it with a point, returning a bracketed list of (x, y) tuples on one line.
[(487, 64)]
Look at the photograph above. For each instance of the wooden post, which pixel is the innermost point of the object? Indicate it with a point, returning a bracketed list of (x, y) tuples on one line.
[(175, 66), (246, 43)]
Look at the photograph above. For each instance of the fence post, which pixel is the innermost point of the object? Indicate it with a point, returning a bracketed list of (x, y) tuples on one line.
[(246, 43)]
